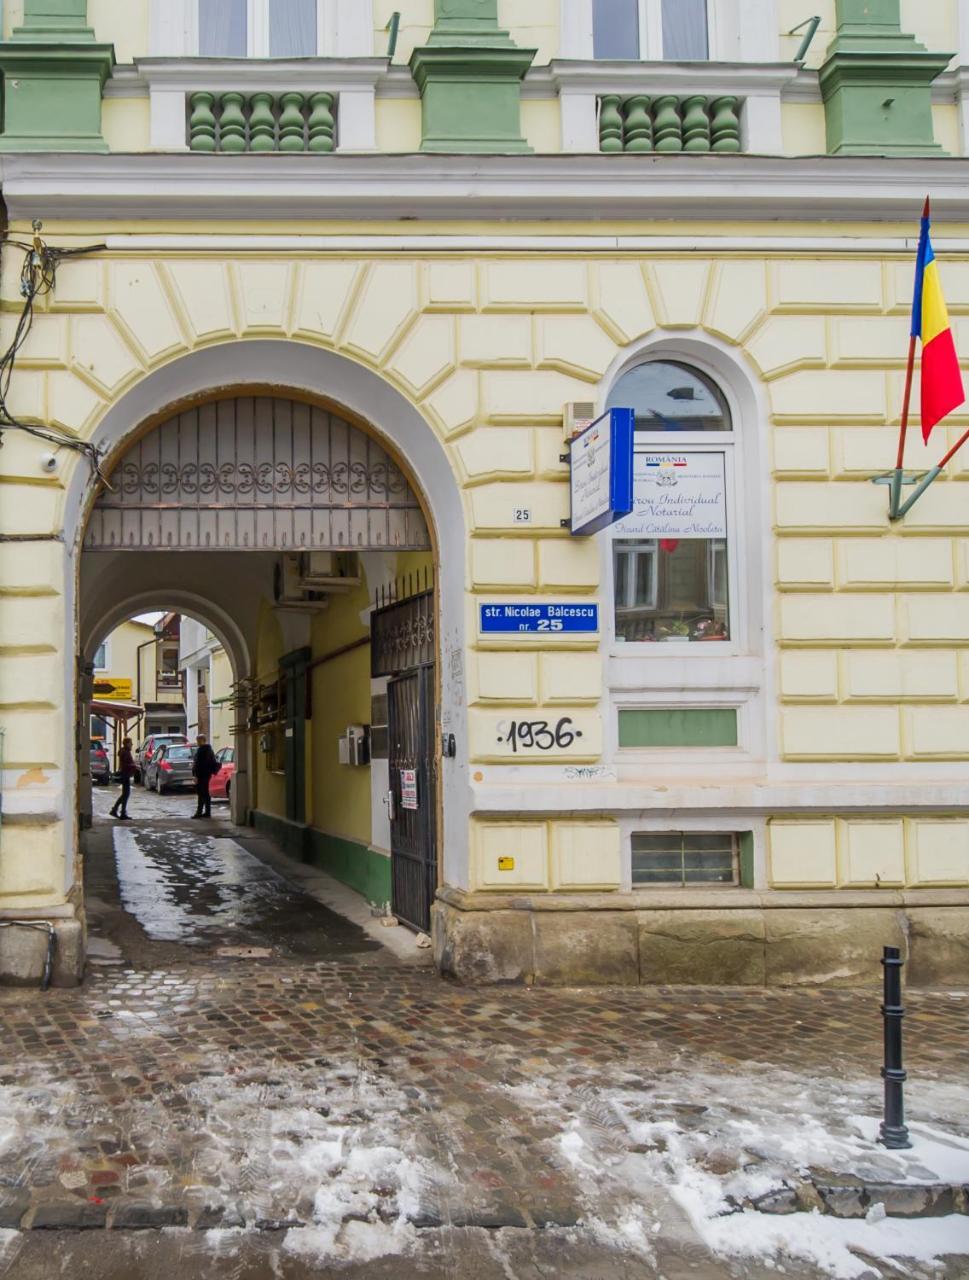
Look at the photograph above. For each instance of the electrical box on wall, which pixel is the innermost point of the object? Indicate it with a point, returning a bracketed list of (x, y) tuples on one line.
[(355, 745)]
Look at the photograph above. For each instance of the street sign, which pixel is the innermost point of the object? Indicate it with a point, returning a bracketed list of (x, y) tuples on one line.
[(601, 459), (538, 619), (112, 689)]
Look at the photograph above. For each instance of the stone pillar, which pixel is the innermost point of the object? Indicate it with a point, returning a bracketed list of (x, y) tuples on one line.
[(876, 84), (469, 74), (53, 78)]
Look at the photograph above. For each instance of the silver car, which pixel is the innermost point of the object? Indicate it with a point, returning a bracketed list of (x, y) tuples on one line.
[(170, 766)]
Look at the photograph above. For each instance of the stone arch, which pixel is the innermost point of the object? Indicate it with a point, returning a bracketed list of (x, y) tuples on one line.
[(292, 368), (99, 620)]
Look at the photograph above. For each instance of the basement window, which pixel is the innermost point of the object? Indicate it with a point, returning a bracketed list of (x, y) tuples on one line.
[(686, 858)]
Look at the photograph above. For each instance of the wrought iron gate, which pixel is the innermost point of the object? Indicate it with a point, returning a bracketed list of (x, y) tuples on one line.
[(257, 472), (413, 768)]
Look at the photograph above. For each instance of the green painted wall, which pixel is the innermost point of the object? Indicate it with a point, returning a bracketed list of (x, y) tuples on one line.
[(355, 865), (678, 727)]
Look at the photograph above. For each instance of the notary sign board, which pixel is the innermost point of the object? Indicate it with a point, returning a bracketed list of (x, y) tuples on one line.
[(601, 460), (678, 495)]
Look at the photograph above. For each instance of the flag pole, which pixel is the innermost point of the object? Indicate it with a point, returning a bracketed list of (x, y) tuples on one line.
[(895, 498), (897, 475)]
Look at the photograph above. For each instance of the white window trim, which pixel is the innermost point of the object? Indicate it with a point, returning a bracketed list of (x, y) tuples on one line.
[(106, 644), (344, 28), (737, 30), (737, 675)]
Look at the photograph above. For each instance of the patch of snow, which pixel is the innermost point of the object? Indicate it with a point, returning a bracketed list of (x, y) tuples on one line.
[(10, 1245), (715, 1142), (831, 1244), (332, 1146)]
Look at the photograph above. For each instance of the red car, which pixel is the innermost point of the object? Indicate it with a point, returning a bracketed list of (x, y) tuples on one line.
[(220, 787)]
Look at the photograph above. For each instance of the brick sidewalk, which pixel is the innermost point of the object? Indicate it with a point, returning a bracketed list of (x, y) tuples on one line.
[(190, 1093)]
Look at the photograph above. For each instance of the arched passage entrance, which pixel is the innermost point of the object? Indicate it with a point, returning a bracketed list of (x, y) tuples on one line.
[(269, 480)]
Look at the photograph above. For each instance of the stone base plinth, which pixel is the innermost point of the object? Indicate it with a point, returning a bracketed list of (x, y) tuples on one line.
[(758, 940), (23, 950)]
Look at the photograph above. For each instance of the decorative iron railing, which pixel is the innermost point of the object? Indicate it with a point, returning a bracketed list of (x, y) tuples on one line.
[(667, 123), (236, 122), (402, 635)]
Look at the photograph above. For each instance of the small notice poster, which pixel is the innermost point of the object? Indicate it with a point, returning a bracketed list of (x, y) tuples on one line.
[(677, 495), (408, 788)]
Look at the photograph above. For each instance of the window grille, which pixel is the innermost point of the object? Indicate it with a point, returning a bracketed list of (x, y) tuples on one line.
[(685, 858)]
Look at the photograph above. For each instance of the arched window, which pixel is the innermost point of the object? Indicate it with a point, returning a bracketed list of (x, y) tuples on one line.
[(671, 556), (669, 396)]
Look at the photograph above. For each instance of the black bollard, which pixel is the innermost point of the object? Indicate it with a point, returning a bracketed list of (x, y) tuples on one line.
[(893, 1133)]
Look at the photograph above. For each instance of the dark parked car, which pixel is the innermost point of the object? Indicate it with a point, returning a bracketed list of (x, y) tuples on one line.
[(100, 765), (144, 753), (170, 766)]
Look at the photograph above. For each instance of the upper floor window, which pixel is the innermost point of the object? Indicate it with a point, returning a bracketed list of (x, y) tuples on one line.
[(674, 30), (258, 28), (101, 656)]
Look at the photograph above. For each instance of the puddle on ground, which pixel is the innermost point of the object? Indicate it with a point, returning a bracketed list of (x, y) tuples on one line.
[(209, 892)]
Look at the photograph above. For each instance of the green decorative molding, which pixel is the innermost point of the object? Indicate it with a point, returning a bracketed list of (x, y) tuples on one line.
[(53, 78), (876, 84), (469, 75), (669, 123), (678, 727), (235, 122), (55, 20)]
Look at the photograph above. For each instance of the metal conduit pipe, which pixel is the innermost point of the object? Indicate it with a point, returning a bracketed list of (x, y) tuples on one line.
[(45, 927)]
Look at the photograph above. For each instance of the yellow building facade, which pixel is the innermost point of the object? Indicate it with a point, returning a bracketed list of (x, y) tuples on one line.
[(332, 394)]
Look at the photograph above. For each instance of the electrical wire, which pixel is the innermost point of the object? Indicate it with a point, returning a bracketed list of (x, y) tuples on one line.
[(38, 276)]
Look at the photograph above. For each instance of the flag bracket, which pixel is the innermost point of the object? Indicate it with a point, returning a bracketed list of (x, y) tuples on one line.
[(896, 479)]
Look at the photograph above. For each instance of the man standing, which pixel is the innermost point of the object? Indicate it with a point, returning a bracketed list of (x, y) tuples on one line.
[(126, 764), (204, 768)]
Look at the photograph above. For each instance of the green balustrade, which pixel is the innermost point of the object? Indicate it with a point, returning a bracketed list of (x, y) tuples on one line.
[(668, 123), (724, 124), (262, 122), (322, 126), (201, 124), (234, 122), (292, 126)]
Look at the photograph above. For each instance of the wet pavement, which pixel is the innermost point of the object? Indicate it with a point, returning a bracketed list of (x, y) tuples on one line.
[(249, 1084)]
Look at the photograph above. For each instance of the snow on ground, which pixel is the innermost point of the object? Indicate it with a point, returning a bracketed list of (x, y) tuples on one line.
[(332, 1146), (712, 1142)]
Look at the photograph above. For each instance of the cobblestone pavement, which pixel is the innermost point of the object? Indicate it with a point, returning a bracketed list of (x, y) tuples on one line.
[(240, 1056)]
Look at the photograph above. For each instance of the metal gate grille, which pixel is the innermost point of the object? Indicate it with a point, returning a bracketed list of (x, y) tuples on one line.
[(257, 472), (410, 706), (402, 635)]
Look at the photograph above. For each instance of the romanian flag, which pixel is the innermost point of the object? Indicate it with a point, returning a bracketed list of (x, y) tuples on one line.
[(942, 389)]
